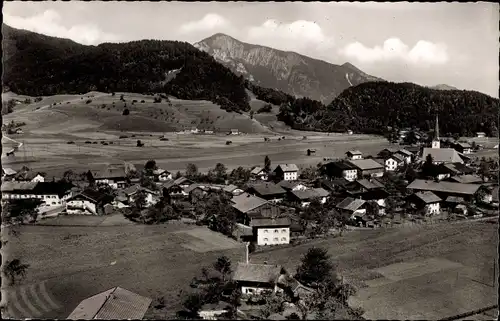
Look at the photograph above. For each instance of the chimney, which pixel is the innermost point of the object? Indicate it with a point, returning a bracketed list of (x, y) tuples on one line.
[(246, 245)]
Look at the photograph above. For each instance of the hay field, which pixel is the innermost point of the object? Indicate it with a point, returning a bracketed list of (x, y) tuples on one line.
[(427, 273), (50, 128), (443, 271)]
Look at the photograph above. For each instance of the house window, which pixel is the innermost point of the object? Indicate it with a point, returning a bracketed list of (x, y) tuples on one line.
[(266, 231), (283, 239), (249, 290), (275, 231), (283, 230), (266, 239), (53, 203), (276, 239)]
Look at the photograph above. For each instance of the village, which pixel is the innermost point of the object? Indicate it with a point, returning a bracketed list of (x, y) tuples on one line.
[(269, 205)]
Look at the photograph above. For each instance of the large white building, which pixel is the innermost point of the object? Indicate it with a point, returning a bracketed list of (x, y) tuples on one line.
[(287, 172), (271, 231)]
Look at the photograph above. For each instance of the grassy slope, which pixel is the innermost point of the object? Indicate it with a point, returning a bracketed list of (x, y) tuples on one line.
[(149, 259)]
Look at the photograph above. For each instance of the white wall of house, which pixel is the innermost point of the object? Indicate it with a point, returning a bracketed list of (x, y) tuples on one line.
[(165, 177), (211, 314), (38, 178), (84, 207), (377, 174), (443, 176), (273, 235), (405, 157), (350, 174), (391, 164), (255, 290), (358, 212), (433, 208), (300, 187), (290, 176), (150, 199), (113, 184)]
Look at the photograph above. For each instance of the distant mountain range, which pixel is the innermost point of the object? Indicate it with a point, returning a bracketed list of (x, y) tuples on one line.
[(290, 72), (443, 87)]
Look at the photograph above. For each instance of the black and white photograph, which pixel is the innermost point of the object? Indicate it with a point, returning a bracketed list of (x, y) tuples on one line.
[(174, 160)]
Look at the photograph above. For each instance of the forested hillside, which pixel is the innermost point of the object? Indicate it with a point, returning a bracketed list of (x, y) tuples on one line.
[(371, 107), (38, 65)]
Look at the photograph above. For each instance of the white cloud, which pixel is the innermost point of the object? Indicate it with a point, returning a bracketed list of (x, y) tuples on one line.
[(424, 52), (296, 36), (49, 23), (210, 22)]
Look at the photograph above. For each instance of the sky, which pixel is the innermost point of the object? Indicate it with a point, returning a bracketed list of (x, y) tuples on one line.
[(426, 43)]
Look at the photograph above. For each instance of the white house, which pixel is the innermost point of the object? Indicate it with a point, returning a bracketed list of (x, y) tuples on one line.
[(405, 154), (352, 207), (354, 154), (38, 178), (256, 278), (271, 231), (287, 172), (259, 173), (393, 162), (115, 177), (306, 196), (481, 134)]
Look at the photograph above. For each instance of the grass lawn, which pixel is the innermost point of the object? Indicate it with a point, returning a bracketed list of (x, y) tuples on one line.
[(77, 262)]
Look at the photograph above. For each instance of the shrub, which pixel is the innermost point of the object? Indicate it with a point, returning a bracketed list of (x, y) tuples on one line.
[(94, 142), (142, 101), (122, 98), (71, 142), (123, 136), (126, 112), (111, 143), (112, 94), (88, 142), (134, 101), (37, 99), (139, 143), (229, 142), (267, 108), (88, 101), (157, 100)]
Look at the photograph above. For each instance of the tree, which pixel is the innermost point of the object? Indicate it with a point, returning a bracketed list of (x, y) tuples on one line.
[(139, 201), (192, 171), (315, 267), (14, 270), (251, 114), (139, 143), (484, 169), (428, 168), (17, 211), (126, 112), (166, 198), (149, 167), (220, 172), (372, 209), (267, 164), (178, 175), (193, 304), (309, 173), (69, 176), (239, 175), (223, 266)]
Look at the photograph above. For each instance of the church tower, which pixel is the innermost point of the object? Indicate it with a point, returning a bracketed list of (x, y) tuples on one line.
[(435, 141)]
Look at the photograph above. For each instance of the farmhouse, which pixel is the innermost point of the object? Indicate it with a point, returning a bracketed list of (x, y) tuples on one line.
[(115, 177), (271, 231), (50, 193), (442, 155), (250, 206), (480, 134), (368, 167), (363, 185), (151, 197), (352, 207), (175, 191), (292, 186), (116, 303), (464, 148), (287, 172), (256, 278), (183, 182), (259, 173), (386, 152), (305, 197), (406, 154), (30, 176), (88, 202), (459, 169), (393, 162), (340, 169), (426, 201), (445, 189), (268, 191), (354, 154)]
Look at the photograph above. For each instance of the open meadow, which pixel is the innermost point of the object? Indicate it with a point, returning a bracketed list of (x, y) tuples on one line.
[(49, 128), (428, 272)]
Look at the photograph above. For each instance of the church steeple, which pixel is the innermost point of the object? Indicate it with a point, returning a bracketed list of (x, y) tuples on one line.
[(435, 142)]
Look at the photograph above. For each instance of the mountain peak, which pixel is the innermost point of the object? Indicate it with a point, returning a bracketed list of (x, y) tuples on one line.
[(290, 72)]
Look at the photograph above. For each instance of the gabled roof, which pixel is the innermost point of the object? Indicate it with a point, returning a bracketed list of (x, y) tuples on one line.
[(467, 179), (288, 167), (264, 273), (230, 188), (183, 180), (445, 187), (404, 152), (160, 171), (288, 185), (350, 204), (135, 188), (8, 171), (257, 170), (455, 199), (397, 157), (110, 172), (427, 197), (18, 186), (463, 145), (263, 222), (89, 194), (169, 183), (342, 165), (446, 155), (115, 303), (366, 164), (367, 184), (310, 194), (459, 168), (354, 152), (246, 202), (268, 189)]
